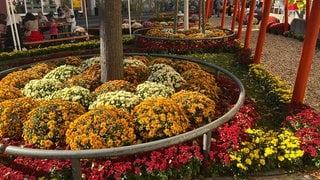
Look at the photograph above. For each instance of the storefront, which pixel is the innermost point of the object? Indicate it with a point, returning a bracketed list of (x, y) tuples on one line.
[(48, 6)]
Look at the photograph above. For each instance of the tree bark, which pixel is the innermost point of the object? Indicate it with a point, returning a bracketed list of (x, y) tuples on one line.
[(111, 47)]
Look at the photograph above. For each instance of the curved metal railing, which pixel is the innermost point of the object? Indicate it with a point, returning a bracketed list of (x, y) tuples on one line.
[(77, 155)]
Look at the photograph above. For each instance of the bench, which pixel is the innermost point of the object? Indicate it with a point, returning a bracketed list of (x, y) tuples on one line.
[(56, 41)]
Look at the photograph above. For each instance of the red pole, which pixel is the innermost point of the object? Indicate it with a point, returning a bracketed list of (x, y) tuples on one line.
[(263, 30), (209, 7), (286, 20), (243, 9), (223, 12), (235, 14), (307, 54), (250, 24)]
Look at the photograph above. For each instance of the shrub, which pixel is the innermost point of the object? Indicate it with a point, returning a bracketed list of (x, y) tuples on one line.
[(201, 81), (102, 127), (47, 124), (114, 85), (158, 118), (152, 89), (41, 88), (8, 92), (75, 94), (199, 108), (120, 99), (62, 73), (13, 113)]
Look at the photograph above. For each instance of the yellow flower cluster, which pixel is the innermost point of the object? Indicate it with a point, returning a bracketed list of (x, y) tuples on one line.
[(89, 79), (201, 81), (8, 92), (13, 113), (72, 60), (157, 118), (46, 124), (20, 78), (200, 109), (115, 85), (266, 149), (102, 127), (182, 66)]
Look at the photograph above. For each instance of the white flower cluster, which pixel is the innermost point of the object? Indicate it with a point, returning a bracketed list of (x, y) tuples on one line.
[(129, 61), (75, 93), (120, 99), (167, 30), (63, 72), (89, 62), (136, 25), (152, 89), (41, 88), (160, 66), (166, 75)]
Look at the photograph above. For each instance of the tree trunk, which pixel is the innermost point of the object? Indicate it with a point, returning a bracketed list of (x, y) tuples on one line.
[(111, 47)]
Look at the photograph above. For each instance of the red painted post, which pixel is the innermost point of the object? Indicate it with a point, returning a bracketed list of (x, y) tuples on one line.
[(209, 8), (312, 32), (235, 14), (286, 13), (250, 24), (263, 30), (224, 9), (243, 10)]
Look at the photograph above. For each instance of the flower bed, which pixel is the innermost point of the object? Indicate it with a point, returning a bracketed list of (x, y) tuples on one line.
[(238, 147), (160, 39)]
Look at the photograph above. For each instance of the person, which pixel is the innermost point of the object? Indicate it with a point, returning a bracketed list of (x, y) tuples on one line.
[(32, 28), (43, 22), (3, 29), (14, 24), (217, 7), (69, 15), (53, 28), (42, 19)]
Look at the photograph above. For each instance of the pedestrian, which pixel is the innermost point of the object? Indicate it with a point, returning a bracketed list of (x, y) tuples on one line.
[(69, 15), (53, 28), (43, 22), (31, 28)]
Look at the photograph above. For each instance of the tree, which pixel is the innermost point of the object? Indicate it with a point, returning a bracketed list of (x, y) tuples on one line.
[(111, 48)]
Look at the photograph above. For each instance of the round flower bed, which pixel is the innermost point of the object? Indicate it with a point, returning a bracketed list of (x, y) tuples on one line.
[(61, 124), (163, 37)]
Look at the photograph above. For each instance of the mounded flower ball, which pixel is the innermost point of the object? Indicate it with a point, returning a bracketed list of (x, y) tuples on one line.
[(46, 124), (13, 113), (102, 127), (158, 118), (152, 89), (63, 72), (120, 99), (41, 88), (200, 109), (76, 94)]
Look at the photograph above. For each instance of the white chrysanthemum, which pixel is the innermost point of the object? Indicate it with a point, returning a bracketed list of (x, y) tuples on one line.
[(160, 66), (41, 88), (168, 78), (167, 30), (75, 93), (63, 72), (119, 99), (89, 62), (129, 61), (152, 89)]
